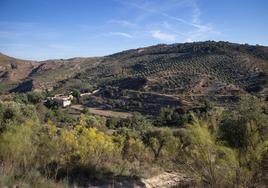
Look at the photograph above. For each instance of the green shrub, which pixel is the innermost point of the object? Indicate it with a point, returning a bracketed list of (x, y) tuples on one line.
[(35, 97), (12, 113)]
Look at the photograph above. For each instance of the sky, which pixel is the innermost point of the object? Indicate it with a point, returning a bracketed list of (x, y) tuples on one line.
[(55, 29)]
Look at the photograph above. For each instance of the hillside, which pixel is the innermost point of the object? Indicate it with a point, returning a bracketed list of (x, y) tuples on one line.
[(201, 70), (181, 137), (14, 70)]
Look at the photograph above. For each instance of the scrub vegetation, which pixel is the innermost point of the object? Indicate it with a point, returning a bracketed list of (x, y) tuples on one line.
[(216, 148)]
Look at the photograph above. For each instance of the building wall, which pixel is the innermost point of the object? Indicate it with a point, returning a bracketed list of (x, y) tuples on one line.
[(66, 103)]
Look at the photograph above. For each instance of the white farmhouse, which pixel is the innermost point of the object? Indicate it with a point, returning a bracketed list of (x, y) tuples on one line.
[(62, 100)]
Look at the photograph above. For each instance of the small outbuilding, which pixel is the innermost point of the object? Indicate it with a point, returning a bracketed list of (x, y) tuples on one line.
[(62, 100)]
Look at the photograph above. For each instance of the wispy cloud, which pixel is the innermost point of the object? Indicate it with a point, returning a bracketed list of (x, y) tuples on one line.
[(144, 22), (9, 34), (22, 30), (10, 45), (121, 34), (196, 13), (163, 36), (188, 40), (15, 24), (123, 23), (59, 46), (197, 29)]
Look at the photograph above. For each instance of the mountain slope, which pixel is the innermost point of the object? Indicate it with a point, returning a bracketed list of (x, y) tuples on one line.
[(192, 68), (13, 70), (200, 68)]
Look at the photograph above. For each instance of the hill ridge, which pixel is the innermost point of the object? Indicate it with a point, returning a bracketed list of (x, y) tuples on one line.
[(199, 67)]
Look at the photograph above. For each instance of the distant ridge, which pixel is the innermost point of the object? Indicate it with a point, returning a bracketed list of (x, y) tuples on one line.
[(200, 67)]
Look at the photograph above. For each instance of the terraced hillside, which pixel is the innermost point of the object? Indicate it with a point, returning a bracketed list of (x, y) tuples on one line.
[(200, 68), (189, 71)]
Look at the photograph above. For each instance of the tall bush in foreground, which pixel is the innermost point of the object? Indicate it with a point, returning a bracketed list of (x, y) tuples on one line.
[(245, 130), (207, 160)]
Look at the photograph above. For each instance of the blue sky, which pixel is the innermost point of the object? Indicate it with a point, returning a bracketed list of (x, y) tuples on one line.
[(48, 29)]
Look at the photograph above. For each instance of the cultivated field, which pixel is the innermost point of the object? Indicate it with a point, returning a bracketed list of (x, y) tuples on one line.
[(101, 112)]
